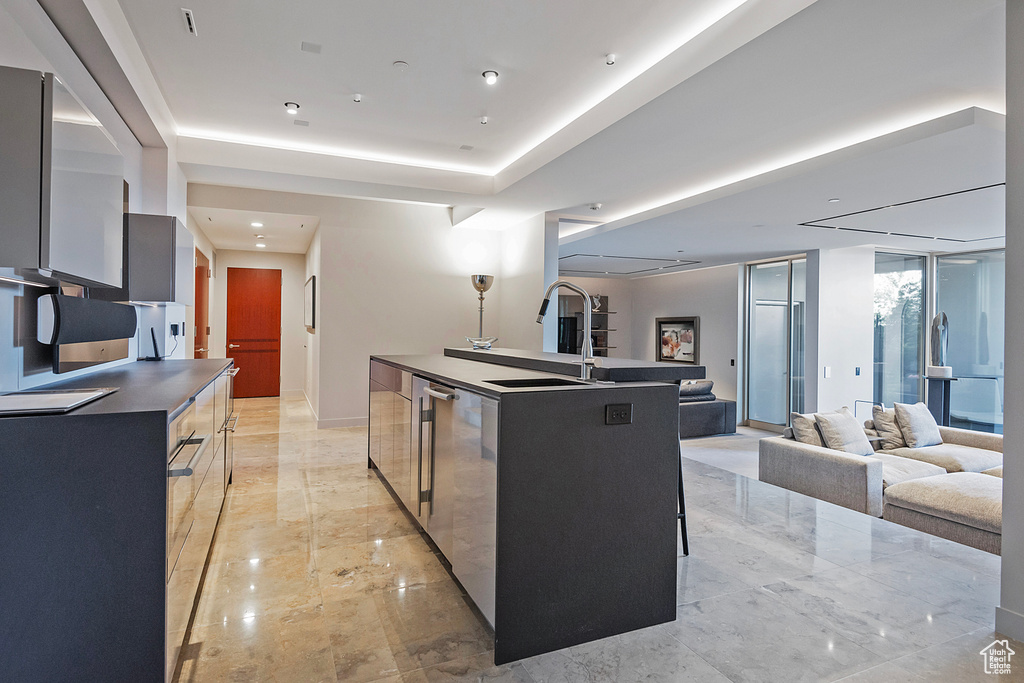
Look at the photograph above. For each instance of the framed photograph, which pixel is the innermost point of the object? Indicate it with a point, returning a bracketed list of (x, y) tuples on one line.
[(678, 340), (309, 310)]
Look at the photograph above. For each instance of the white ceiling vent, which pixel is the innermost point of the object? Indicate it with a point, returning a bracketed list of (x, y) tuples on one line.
[(190, 21)]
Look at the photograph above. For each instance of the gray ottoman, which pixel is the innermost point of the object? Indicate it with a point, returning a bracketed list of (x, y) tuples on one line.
[(966, 507)]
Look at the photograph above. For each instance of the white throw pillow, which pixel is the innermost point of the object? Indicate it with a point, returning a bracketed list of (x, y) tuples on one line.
[(917, 425), (841, 431), (805, 429)]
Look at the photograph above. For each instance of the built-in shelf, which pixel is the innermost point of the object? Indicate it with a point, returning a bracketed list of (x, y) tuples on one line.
[(571, 306)]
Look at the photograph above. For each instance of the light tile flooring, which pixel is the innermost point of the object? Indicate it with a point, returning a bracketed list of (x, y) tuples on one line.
[(317, 576)]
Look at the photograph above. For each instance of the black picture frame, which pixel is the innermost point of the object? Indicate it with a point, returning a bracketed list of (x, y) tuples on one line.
[(677, 340), (309, 303)]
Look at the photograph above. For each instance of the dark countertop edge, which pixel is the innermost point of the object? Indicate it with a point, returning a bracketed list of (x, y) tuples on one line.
[(449, 373), (612, 369), (142, 387)]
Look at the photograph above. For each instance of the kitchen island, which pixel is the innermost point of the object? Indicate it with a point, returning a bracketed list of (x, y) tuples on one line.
[(552, 500)]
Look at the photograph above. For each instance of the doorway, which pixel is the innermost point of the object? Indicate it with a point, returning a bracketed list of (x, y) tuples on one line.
[(253, 330), (202, 307), (776, 319)]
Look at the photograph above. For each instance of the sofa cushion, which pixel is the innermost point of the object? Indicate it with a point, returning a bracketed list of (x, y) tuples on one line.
[(840, 431), (917, 425), (805, 429), (695, 387), (967, 498), (953, 457), (695, 398), (896, 469), (994, 471), (884, 422)]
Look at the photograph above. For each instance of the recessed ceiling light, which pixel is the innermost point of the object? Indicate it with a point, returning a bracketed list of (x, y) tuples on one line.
[(833, 200), (491, 77), (483, 120), (291, 108), (259, 237), (357, 97), (400, 65), (609, 58), (261, 245), (256, 224), (596, 206)]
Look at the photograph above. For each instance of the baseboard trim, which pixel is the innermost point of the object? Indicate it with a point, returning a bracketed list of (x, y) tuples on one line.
[(310, 404), (1010, 623), (342, 422), (293, 393)]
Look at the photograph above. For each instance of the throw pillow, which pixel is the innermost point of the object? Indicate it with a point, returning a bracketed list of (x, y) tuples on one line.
[(696, 387), (805, 429), (885, 425), (917, 425), (840, 431)]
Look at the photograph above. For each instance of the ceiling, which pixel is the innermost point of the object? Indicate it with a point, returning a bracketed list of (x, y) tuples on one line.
[(741, 117), (234, 229)]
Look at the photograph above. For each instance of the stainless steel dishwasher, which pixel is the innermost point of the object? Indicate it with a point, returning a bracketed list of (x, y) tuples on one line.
[(456, 435)]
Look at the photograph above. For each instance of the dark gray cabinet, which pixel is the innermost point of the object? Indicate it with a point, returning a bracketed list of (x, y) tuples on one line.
[(109, 513), (61, 185), (159, 258)]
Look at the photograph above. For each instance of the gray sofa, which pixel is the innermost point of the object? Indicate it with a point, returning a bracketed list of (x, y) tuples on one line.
[(858, 482), (701, 413)]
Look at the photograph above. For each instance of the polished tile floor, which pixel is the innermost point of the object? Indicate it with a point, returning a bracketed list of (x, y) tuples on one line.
[(317, 576)]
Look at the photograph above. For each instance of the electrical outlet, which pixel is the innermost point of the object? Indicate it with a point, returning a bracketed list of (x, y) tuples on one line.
[(174, 329), (732, 362), (618, 414), (856, 371)]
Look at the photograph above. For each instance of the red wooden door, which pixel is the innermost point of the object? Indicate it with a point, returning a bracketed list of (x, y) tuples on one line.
[(254, 330), (202, 347)]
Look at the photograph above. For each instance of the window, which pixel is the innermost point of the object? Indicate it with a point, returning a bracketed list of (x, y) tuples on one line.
[(899, 328), (970, 290)]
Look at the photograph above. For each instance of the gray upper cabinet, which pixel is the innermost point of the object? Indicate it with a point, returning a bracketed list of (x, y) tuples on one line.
[(159, 257), (61, 185)]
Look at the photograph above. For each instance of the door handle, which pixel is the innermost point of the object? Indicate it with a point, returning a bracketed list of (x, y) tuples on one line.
[(202, 350), (441, 395), (234, 346)]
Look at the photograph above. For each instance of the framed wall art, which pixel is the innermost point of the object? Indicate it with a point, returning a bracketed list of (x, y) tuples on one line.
[(678, 340)]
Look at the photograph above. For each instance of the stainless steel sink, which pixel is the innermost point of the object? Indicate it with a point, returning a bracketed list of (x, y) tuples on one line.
[(534, 382)]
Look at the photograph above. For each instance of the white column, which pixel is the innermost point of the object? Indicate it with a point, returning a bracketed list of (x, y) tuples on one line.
[(1010, 613)]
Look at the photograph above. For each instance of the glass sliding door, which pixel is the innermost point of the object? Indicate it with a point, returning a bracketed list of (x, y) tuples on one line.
[(775, 341), (970, 290), (899, 332)]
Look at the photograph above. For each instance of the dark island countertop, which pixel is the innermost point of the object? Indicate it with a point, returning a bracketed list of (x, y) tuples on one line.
[(609, 369), (474, 376), (142, 386)]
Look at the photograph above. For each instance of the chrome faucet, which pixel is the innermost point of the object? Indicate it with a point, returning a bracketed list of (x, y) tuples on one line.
[(587, 352)]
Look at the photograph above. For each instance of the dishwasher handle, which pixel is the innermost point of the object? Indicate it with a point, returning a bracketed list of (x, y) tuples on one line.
[(187, 471), (440, 395)]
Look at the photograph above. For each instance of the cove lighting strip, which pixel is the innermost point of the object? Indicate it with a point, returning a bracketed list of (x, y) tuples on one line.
[(626, 76), (835, 144)]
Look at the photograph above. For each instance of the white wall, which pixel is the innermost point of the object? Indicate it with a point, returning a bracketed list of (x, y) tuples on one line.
[(393, 279), (293, 332), (522, 279), (1010, 613), (312, 380), (714, 294), (845, 334), (620, 300)]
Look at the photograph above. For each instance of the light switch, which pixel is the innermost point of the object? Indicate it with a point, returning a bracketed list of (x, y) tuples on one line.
[(828, 371)]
